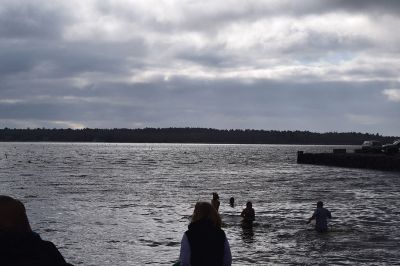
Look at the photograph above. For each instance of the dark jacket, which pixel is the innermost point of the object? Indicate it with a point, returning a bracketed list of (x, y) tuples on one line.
[(28, 249), (206, 243)]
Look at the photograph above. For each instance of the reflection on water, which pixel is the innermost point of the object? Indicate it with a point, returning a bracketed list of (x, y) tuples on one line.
[(129, 204)]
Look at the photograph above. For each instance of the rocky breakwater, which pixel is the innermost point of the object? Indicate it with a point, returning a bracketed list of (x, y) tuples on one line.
[(339, 157)]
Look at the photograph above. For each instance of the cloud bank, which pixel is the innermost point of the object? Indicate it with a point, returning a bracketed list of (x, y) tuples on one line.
[(286, 65)]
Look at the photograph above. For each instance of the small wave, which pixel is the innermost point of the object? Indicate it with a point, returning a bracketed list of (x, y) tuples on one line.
[(82, 175), (150, 243), (246, 260), (31, 196), (172, 244), (187, 163), (26, 174), (124, 206), (48, 230)]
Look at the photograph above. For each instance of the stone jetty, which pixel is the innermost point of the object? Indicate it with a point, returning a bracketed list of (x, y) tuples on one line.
[(341, 158)]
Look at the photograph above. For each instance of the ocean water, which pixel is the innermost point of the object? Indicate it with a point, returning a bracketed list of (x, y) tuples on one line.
[(129, 204)]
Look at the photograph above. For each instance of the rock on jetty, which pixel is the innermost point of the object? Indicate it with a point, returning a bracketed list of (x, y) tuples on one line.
[(339, 157)]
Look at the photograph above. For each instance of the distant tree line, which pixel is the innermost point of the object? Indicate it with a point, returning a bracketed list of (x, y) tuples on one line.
[(188, 135)]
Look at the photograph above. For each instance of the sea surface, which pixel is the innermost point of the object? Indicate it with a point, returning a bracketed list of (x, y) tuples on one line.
[(129, 204)]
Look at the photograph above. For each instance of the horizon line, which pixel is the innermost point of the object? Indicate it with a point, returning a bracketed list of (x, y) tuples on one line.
[(202, 128)]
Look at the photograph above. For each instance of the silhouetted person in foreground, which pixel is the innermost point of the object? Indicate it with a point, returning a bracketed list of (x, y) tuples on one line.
[(215, 201), (232, 202), (19, 245), (205, 242), (320, 215), (248, 213)]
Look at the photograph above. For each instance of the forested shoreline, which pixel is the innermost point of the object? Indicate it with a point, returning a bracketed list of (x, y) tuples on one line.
[(188, 135)]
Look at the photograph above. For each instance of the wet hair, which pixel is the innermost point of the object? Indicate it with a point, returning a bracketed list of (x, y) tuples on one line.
[(204, 210), (215, 196), (249, 204), (13, 216), (320, 204)]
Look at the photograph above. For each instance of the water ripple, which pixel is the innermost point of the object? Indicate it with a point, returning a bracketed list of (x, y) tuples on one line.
[(129, 204)]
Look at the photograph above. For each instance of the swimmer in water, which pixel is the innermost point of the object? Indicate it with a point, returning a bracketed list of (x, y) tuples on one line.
[(215, 201), (248, 213), (320, 215), (232, 202)]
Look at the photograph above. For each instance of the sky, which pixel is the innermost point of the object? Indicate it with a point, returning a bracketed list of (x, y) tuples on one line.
[(317, 65)]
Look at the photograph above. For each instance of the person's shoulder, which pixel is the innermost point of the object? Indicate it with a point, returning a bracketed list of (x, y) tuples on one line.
[(33, 250), (221, 232), (48, 245), (51, 252)]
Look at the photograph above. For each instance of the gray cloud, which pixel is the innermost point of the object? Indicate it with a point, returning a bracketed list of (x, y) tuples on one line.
[(311, 65), (32, 19), (215, 103)]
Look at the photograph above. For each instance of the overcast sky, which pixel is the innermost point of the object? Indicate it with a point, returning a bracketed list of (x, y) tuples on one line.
[(285, 65)]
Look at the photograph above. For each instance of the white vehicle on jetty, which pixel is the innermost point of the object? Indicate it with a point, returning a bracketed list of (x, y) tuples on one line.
[(372, 146), (391, 148)]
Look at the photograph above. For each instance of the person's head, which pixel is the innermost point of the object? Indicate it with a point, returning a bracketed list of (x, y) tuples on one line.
[(204, 210), (215, 196), (249, 204), (320, 204), (13, 216)]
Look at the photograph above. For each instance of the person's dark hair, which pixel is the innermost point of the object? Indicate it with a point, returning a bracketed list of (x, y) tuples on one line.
[(320, 204), (13, 216), (249, 204), (215, 196), (204, 210)]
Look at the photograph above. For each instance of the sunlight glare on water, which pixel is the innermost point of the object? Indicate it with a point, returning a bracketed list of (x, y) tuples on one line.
[(129, 204)]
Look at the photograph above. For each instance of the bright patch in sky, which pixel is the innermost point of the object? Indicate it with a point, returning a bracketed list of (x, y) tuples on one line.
[(392, 94)]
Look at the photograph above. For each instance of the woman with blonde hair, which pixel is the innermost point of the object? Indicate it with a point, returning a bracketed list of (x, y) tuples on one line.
[(205, 242)]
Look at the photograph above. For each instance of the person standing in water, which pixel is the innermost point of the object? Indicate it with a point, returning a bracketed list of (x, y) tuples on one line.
[(205, 243), (232, 202), (215, 201), (320, 215), (248, 213)]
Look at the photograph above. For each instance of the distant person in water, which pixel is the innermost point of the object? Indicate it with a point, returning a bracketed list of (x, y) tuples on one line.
[(320, 215), (232, 202), (19, 245), (205, 242), (248, 213), (215, 201)]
